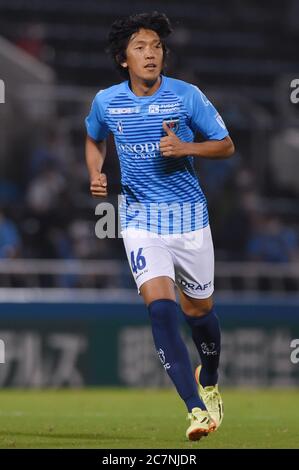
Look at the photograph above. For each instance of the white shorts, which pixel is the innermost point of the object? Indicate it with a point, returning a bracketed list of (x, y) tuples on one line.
[(188, 259)]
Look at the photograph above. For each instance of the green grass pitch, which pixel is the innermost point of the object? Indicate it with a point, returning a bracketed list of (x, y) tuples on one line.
[(132, 419)]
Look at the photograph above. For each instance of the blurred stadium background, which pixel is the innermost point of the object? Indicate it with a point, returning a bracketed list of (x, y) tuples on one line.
[(70, 315)]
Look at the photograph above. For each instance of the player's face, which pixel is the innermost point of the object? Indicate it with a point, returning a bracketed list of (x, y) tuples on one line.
[(144, 56)]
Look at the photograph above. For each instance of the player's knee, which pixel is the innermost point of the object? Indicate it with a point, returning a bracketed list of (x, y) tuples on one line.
[(162, 311), (200, 308)]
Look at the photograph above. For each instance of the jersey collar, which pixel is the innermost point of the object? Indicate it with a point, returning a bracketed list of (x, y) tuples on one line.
[(146, 98)]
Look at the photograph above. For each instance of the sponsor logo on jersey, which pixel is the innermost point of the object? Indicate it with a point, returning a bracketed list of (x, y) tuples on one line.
[(132, 110), (164, 108), (170, 107), (140, 149), (119, 127), (153, 109)]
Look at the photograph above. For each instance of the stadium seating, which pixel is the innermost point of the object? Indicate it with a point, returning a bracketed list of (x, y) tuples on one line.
[(239, 45)]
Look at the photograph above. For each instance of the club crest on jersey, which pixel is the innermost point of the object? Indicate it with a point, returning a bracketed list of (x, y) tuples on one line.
[(173, 124), (119, 127)]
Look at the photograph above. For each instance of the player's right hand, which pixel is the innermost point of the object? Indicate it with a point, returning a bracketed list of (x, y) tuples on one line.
[(98, 185)]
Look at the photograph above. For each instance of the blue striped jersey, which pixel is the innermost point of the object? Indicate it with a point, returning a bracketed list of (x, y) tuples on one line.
[(159, 194)]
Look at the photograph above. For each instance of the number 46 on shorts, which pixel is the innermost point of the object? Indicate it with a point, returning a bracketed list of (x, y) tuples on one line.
[(139, 262)]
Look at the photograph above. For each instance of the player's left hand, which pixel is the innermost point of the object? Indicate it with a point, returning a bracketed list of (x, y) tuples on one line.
[(171, 145)]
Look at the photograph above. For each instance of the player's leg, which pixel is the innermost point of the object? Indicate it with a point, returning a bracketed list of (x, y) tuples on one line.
[(194, 265), (203, 321), (201, 316), (159, 296), (153, 270)]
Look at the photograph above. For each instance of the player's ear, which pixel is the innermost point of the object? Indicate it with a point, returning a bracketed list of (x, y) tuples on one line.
[(121, 60)]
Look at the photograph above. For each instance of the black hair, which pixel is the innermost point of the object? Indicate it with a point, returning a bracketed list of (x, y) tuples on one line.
[(123, 28)]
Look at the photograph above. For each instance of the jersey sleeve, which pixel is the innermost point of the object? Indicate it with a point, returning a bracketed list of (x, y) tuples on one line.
[(205, 117), (95, 123)]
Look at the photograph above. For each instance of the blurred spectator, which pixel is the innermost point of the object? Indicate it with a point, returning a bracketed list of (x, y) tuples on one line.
[(48, 150), (216, 174), (235, 231), (245, 181), (272, 241), (45, 190), (32, 40), (84, 239), (9, 192), (285, 170), (10, 240), (62, 243)]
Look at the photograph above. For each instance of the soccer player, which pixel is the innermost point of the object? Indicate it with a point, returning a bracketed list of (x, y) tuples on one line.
[(154, 119)]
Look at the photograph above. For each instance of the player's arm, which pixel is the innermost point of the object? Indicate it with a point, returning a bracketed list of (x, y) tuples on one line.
[(95, 153), (217, 149), (172, 146)]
